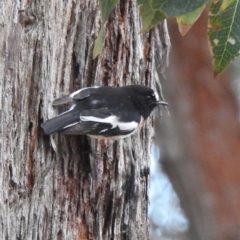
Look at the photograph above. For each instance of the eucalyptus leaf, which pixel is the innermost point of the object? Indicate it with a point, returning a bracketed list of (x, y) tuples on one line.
[(186, 21), (150, 17), (98, 44), (173, 8), (106, 8), (224, 33)]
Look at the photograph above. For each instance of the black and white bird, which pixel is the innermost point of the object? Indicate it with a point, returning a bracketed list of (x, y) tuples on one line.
[(104, 112)]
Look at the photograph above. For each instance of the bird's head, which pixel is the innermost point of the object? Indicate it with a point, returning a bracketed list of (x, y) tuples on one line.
[(146, 99)]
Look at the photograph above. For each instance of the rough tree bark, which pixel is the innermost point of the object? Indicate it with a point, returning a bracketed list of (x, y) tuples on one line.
[(51, 188), (200, 141)]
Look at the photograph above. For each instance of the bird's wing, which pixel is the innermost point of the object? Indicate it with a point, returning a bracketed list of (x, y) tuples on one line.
[(77, 95), (84, 92), (100, 122)]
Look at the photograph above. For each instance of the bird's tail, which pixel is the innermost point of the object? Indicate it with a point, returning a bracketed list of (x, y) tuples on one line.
[(60, 122)]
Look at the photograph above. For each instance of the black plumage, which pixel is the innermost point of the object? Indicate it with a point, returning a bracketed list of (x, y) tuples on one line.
[(104, 112)]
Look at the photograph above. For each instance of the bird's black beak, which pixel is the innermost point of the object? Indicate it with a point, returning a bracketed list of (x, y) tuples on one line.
[(162, 103)]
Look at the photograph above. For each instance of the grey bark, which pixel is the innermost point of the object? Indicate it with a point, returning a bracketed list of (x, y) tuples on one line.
[(51, 188)]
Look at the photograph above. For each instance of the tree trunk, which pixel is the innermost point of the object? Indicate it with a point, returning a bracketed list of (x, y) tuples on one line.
[(51, 187)]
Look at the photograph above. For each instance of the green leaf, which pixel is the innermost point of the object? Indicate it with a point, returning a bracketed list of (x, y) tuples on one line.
[(173, 8), (224, 33), (157, 18), (186, 21), (98, 45), (146, 13), (225, 4), (106, 8), (150, 17)]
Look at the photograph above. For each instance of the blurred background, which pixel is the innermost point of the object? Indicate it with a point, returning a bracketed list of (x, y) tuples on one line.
[(195, 173)]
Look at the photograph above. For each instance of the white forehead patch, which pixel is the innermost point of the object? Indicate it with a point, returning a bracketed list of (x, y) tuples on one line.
[(156, 95)]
